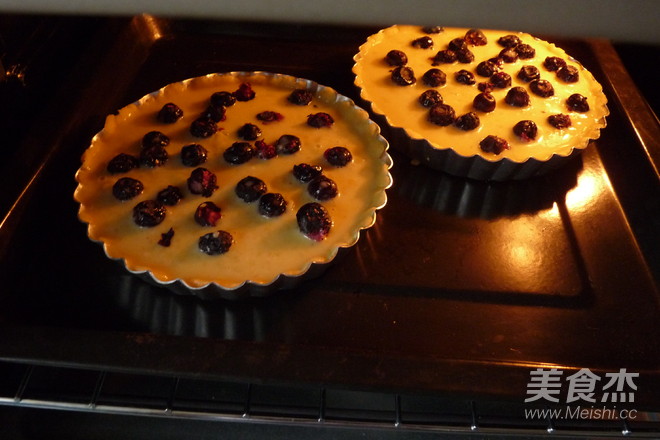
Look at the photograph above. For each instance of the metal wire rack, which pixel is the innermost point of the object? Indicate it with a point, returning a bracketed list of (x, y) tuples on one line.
[(110, 392)]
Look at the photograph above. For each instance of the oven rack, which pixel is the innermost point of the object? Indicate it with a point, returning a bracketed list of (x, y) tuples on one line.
[(86, 390)]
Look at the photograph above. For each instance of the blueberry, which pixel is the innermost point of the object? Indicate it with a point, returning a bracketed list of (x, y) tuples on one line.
[(487, 68), (126, 188), (250, 189), (432, 29), (215, 113), (244, 92), (149, 213), (529, 73), (269, 116), (559, 120), (568, 74), (542, 88), (517, 97), (288, 144), (484, 102), (396, 58), (239, 152), (509, 41), (493, 144), (203, 127), (525, 51), (475, 37), (207, 214), (446, 56), (424, 42), (322, 188), (434, 78), (202, 181), (526, 130), (306, 173), (122, 163), (215, 243), (430, 98), (155, 139), (169, 113), (468, 121), (264, 150), (465, 77), (464, 56), (314, 221), (301, 97), (501, 80), (169, 196), (319, 120), (508, 55), (154, 156), (554, 63), (222, 99), (338, 156), (193, 155), (577, 103), (272, 205), (403, 76), (442, 115), (457, 44), (249, 132)]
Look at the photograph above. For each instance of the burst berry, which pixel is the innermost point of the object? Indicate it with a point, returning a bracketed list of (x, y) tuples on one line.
[(207, 214), (126, 188), (529, 73), (526, 130), (169, 113), (288, 144), (244, 92), (215, 243), (467, 122), (202, 181), (272, 205), (193, 155), (166, 238), (314, 221), (169, 196), (396, 58), (250, 189), (465, 77), (203, 127), (269, 116), (475, 37), (249, 132), (434, 78), (122, 163), (430, 98), (403, 76), (318, 120), (493, 144), (442, 115), (301, 97), (446, 56), (149, 213), (577, 103), (264, 150), (525, 51), (484, 102), (554, 63), (559, 121), (517, 97), (542, 88), (154, 156), (568, 74), (322, 188), (501, 80), (155, 139), (306, 173), (508, 55), (239, 152), (222, 99), (338, 156)]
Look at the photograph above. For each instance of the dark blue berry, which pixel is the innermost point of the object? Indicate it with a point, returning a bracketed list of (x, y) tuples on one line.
[(559, 120), (249, 132), (465, 77), (529, 73), (430, 98), (493, 144), (484, 102), (305, 172), (193, 155), (301, 97), (321, 119), (475, 37), (568, 74), (122, 163), (525, 51), (314, 221), (222, 99), (424, 42), (126, 188), (526, 130), (169, 196), (442, 115), (214, 113), (244, 92), (149, 213), (542, 88), (272, 205), (509, 41), (517, 97), (169, 113), (468, 121), (269, 116), (577, 103), (322, 188), (154, 156), (396, 58), (250, 189), (155, 139), (338, 156), (239, 152), (215, 243), (203, 127), (434, 77), (403, 76), (288, 144), (202, 181), (207, 214)]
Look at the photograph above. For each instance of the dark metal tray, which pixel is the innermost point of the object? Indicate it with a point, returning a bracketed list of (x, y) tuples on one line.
[(461, 287)]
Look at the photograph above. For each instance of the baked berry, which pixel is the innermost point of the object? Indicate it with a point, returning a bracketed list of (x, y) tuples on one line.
[(465, 77), (560, 120), (509, 41), (338, 156), (493, 144), (501, 80), (396, 58), (526, 130), (554, 63), (272, 205), (149, 213), (207, 214), (464, 56), (434, 78), (486, 87), (166, 238), (314, 221), (306, 173), (250, 189), (542, 88), (424, 42), (155, 139), (126, 188), (508, 55), (249, 132), (497, 61), (169, 196), (122, 163), (301, 97), (475, 37), (578, 103), (568, 74), (244, 93), (432, 29), (525, 51), (487, 68), (467, 122), (223, 99), (203, 127), (215, 113), (202, 181), (517, 97), (446, 56), (528, 73), (403, 76), (322, 188), (319, 120), (484, 102), (269, 116), (154, 156), (288, 144), (430, 98), (215, 243), (169, 113), (442, 115), (193, 155), (264, 150), (457, 44), (239, 152)]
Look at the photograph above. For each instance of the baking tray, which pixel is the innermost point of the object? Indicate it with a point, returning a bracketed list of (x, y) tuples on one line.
[(460, 288)]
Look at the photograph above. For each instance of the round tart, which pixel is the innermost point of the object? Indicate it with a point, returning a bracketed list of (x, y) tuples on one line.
[(485, 104), (230, 184)]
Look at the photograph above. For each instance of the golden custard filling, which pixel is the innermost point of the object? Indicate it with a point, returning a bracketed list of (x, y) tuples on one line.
[(265, 242), (482, 103)]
